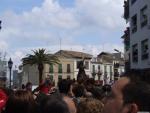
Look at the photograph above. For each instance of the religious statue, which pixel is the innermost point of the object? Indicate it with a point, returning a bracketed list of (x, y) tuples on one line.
[(81, 77)]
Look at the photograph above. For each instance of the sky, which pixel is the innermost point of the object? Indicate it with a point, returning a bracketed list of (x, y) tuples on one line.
[(90, 26)]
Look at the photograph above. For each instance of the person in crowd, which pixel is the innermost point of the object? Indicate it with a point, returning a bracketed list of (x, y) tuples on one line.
[(54, 104), (128, 95), (3, 99), (23, 87), (70, 103), (29, 86), (106, 89), (79, 92), (20, 102), (90, 105), (65, 87)]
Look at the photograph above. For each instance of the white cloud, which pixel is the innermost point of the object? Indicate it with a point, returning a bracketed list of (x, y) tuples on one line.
[(3, 45), (47, 21), (102, 13)]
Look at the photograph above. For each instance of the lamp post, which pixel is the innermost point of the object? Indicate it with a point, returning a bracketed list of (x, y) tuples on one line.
[(0, 24), (10, 64)]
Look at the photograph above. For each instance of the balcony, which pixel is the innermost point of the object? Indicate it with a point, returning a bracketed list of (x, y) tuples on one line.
[(116, 65), (144, 23), (135, 58), (126, 10), (133, 1), (134, 29), (126, 38), (145, 56)]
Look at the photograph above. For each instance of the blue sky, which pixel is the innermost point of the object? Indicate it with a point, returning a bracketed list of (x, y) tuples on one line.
[(83, 25)]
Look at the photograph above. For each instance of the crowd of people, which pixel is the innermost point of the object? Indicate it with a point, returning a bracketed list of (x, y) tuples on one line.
[(130, 94)]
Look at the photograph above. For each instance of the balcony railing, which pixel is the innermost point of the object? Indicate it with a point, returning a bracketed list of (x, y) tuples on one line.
[(134, 28), (145, 56), (126, 9), (133, 1), (144, 23), (116, 65)]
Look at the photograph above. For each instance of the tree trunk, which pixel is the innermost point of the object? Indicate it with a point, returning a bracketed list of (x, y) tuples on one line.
[(40, 68)]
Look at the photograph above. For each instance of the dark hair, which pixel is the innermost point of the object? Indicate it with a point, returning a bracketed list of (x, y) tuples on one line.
[(20, 102), (138, 92), (78, 90), (64, 86), (54, 104), (29, 86)]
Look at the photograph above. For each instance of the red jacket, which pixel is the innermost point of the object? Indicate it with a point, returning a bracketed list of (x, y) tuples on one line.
[(3, 99), (45, 89)]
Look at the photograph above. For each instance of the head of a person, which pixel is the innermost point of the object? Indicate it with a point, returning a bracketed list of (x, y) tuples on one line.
[(54, 104), (90, 105), (64, 86), (29, 86), (78, 90), (128, 95), (89, 84), (70, 103), (20, 102)]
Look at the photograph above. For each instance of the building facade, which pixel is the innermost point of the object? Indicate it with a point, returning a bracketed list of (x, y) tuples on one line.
[(66, 69), (3, 73), (137, 13), (107, 67), (101, 68)]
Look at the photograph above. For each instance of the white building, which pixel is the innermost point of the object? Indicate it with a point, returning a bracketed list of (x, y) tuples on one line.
[(3, 72), (109, 65), (137, 13)]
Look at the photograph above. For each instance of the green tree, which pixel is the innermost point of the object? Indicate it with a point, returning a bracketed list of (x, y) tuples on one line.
[(39, 58)]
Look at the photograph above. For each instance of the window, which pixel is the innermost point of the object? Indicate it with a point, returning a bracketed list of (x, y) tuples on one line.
[(144, 49), (68, 68), (133, 1), (144, 19), (51, 70), (86, 64), (68, 77), (78, 63), (99, 67), (116, 65), (105, 69), (135, 53), (51, 77), (60, 68), (59, 77), (134, 23), (93, 68), (111, 74)]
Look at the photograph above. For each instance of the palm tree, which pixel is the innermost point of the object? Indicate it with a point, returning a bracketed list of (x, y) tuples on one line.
[(39, 58)]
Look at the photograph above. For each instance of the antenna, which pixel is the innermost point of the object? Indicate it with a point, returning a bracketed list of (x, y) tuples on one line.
[(102, 47), (5, 53), (60, 42)]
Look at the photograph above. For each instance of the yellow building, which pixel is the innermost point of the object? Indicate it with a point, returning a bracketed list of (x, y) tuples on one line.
[(67, 67)]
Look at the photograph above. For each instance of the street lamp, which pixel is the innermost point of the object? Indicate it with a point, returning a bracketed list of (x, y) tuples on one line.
[(0, 24), (117, 50), (10, 64)]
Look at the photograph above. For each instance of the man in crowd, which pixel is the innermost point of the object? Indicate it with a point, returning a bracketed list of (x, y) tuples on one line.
[(128, 95)]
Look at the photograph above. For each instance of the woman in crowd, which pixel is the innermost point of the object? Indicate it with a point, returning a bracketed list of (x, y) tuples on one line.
[(20, 102)]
